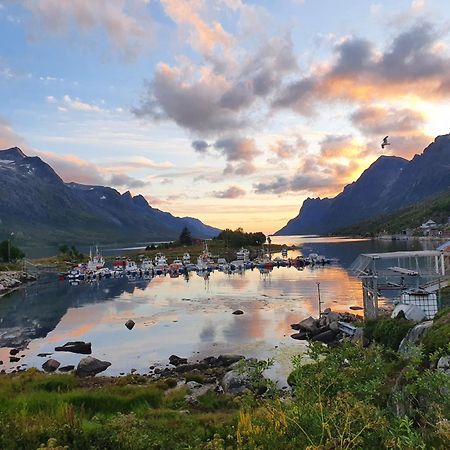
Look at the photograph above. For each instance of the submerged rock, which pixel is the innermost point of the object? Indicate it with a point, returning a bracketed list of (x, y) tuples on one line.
[(177, 360), (228, 360), (14, 351), (51, 365), (81, 347), (238, 312), (91, 366)]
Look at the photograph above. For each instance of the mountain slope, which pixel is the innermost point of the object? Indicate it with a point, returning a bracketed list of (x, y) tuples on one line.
[(40, 208), (389, 184)]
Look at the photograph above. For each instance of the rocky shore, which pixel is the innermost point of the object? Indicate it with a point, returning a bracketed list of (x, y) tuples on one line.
[(11, 280)]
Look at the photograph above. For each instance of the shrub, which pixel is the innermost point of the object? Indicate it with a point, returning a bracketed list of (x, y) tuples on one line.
[(386, 331), (438, 335)]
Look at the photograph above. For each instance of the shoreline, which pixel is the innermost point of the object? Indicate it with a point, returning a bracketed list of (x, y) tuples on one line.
[(14, 280)]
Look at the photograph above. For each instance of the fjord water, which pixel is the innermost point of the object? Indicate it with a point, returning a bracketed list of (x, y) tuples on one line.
[(188, 317)]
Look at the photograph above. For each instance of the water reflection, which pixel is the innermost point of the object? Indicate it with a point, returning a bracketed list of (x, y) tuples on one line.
[(190, 317)]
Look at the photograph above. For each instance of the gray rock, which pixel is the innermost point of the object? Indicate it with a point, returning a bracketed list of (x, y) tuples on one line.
[(309, 325), (91, 366), (334, 326), (51, 365), (193, 385), (326, 337), (81, 347), (444, 364), (129, 324), (414, 335), (177, 360), (235, 383), (66, 368), (228, 360)]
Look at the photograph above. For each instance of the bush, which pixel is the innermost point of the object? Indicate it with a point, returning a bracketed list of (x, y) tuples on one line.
[(386, 331), (438, 335)]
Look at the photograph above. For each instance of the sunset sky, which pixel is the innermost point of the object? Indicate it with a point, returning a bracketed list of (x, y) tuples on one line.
[(231, 111)]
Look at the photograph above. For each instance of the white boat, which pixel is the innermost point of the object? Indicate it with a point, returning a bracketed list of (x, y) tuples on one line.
[(161, 263), (284, 252), (243, 254), (131, 268), (95, 262), (76, 274), (205, 261), (222, 264), (147, 265), (186, 259)]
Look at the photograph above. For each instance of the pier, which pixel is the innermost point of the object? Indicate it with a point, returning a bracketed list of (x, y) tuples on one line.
[(427, 270)]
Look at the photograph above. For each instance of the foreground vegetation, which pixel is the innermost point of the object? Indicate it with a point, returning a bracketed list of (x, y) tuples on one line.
[(347, 397), (437, 209)]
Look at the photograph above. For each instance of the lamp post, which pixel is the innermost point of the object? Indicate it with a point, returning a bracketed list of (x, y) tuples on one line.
[(320, 301)]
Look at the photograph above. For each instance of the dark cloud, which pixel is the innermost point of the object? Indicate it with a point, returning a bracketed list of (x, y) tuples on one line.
[(209, 99), (200, 146), (285, 149), (121, 179), (296, 183), (239, 153), (231, 192), (409, 65)]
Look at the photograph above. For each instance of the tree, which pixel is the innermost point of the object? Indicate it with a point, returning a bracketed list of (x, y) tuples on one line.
[(9, 252), (185, 237)]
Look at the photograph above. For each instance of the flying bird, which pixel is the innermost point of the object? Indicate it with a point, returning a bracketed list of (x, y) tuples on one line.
[(385, 142)]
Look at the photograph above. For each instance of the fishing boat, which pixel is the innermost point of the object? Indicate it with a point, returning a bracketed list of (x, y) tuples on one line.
[(205, 261), (147, 265), (131, 268), (186, 259), (160, 263), (176, 265), (242, 259), (76, 274), (96, 261), (222, 264)]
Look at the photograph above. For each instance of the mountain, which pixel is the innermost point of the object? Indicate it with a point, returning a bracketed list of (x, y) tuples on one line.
[(41, 209), (436, 208), (389, 184)]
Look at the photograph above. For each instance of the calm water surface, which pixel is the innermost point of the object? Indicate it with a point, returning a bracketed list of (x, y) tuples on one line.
[(188, 317)]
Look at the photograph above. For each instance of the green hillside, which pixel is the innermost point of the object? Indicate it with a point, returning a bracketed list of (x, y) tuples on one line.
[(436, 208)]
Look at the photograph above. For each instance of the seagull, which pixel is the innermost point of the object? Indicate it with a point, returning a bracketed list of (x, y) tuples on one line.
[(385, 142)]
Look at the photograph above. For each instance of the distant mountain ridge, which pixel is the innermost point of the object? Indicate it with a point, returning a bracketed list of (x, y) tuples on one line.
[(40, 208), (389, 184)]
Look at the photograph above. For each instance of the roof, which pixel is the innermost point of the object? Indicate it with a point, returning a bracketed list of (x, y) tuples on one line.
[(444, 247)]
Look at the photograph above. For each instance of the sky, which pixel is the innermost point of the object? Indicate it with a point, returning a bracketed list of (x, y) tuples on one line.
[(231, 111)]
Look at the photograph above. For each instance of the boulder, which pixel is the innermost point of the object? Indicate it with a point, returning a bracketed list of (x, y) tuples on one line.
[(414, 335), (13, 359), (444, 364), (235, 383), (309, 325), (66, 368), (14, 351), (228, 360), (129, 324), (81, 347), (334, 326), (91, 366), (302, 336), (50, 365), (238, 312), (177, 360), (326, 337)]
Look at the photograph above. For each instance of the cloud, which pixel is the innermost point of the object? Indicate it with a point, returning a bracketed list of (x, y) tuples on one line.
[(285, 149), (231, 192), (377, 120), (408, 66), (296, 183), (121, 179), (228, 84), (200, 146), (126, 23), (239, 152), (78, 105)]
